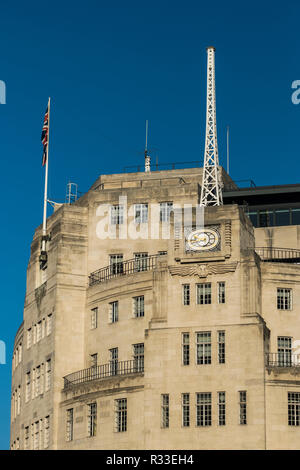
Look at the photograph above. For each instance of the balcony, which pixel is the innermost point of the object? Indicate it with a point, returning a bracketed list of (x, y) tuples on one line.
[(123, 268), (278, 255), (112, 369), (282, 360)]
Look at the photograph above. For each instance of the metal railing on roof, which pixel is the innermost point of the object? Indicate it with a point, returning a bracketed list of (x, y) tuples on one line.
[(278, 255), (162, 166), (111, 369), (123, 268), (284, 359)]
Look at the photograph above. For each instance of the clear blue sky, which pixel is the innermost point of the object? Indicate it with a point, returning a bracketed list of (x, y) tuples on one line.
[(109, 66)]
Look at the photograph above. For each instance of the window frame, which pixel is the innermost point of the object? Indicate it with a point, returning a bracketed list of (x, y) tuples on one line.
[(92, 419), (186, 294), (138, 306), (206, 353), (204, 298), (121, 414), (185, 349), (284, 301), (165, 410)]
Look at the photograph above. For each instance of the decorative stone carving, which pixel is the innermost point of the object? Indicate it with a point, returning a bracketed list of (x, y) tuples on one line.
[(202, 270), (228, 233), (39, 293)]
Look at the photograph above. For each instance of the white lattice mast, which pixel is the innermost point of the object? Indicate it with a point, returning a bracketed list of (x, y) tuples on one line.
[(211, 190)]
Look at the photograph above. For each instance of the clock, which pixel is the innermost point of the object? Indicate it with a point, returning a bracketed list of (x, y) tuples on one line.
[(204, 239)]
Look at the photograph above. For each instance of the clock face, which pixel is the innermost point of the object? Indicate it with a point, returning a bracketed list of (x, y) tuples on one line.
[(205, 239)]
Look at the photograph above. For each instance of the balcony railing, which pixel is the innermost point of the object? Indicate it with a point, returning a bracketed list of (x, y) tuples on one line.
[(284, 359), (278, 255), (112, 369), (122, 268)]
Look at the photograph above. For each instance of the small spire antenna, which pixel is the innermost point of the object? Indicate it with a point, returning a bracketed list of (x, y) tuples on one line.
[(147, 157)]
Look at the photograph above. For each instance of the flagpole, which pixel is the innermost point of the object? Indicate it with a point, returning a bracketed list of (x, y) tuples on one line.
[(46, 186)]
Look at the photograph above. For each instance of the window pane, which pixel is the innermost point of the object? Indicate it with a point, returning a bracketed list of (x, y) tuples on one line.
[(296, 216), (265, 218), (282, 217), (253, 218)]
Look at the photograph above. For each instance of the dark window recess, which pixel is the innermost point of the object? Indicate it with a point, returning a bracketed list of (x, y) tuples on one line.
[(253, 218), (295, 216), (282, 217), (265, 218)]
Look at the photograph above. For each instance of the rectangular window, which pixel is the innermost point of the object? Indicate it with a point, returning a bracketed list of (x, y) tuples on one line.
[(26, 438), (295, 216), (162, 253), (185, 403), (114, 358), (42, 378), (138, 306), (39, 331), (113, 312), (94, 318), (203, 409), (186, 294), (47, 432), (204, 293), (221, 292), (36, 435), (165, 210), (69, 430), (37, 381), (20, 352), (116, 264), (138, 356), (27, 391), (92, 419), (49, 324), (253, 218), (43, 327), (140, 262), (185, 338), (117, 215), (34, 334), (243, 407), (282, 217), (284, 299), (204, 347), (19, 400), (222, 408), (293, 408), (29, 338), (165, 410), (33, 384), (266, 218), (284, 350), (121, 415), (94, 360), (48, 375), (141, 213), (16, 402), (221, 347)]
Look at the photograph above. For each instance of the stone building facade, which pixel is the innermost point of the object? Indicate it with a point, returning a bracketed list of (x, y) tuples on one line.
[(182, 338)]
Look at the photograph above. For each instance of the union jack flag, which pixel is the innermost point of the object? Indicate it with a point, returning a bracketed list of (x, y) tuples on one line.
[(44, 137)]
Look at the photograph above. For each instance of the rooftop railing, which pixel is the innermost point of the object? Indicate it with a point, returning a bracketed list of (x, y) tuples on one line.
[(162, 166), (284, 359), (123, 268), (112, 369), (278, 255)]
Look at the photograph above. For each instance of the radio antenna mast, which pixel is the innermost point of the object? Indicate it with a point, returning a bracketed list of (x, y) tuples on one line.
[(211, 190), (228, 150), (147, 157)]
